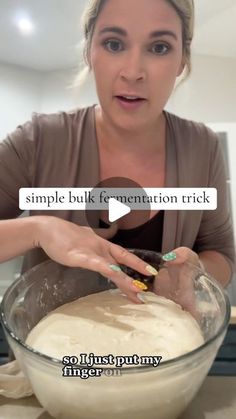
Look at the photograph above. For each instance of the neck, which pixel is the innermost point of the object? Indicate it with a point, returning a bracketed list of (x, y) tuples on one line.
[(148, 141)]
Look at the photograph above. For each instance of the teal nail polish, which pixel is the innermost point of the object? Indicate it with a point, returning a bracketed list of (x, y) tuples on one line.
[(115, 268), (169, 256)]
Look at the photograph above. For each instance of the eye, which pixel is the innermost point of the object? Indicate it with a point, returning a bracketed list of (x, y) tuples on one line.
[(113, 45), (160, 48)]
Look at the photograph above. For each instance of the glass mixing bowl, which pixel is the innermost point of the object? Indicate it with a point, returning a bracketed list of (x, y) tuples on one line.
[(131, 393)]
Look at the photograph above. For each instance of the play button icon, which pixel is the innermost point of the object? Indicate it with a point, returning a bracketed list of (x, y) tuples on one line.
[(117, 210), (113, 201)]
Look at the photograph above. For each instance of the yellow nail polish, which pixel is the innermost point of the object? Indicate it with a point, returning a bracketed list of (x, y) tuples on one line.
[(140, 284)]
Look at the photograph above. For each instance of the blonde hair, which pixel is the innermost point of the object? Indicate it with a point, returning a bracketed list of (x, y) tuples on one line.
[(184, 8)]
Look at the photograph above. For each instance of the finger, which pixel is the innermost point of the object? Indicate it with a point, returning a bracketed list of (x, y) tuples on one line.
[(126, 284), (180, 256), (134, 297), (163, 285), (107, 233), (124, 257), (109, 269)]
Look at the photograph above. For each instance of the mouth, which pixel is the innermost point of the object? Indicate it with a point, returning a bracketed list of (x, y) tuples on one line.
[(130, 103), (130, 99)]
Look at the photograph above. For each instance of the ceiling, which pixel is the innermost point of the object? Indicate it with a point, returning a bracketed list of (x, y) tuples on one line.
[(54, 44)]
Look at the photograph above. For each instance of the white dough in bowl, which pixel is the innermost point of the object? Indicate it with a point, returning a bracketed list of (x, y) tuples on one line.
[(108, 323)]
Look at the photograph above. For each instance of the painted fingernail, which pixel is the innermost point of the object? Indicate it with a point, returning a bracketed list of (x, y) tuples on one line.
[(139, 284), (169, 256), (151, 270), (115, 268), (141, 297)]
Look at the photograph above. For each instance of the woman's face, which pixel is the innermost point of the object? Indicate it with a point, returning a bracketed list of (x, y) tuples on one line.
[(136, 52)]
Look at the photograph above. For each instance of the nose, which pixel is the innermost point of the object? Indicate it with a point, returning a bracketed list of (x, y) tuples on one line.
[(133, 67)]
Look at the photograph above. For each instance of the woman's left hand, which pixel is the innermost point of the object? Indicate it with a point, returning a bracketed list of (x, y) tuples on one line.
[(175, 279)]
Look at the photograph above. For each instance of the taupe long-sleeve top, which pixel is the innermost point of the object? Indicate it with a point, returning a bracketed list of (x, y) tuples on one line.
[(61, 150)]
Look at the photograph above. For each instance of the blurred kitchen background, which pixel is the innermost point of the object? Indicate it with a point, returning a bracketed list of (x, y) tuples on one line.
[(39, 58)]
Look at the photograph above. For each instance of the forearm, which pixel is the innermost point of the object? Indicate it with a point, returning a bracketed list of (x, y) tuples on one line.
[(17, 236), (217, 265)]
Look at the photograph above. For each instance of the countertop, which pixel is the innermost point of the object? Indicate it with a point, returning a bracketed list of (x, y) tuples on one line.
[(215, 400)]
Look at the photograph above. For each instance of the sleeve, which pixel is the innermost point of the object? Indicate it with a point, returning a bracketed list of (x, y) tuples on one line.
[(16, 168), (216, 230)]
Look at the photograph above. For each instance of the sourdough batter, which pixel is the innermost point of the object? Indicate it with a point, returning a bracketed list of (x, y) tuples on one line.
[(108, 323)]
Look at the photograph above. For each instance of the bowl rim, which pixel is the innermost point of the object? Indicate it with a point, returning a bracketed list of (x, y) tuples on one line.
[(168, 363)]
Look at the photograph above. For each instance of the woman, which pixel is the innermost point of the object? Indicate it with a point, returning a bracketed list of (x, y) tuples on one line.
[(136, 51)]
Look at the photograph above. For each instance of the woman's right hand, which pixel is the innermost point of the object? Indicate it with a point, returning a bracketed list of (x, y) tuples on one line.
[(77, 246)]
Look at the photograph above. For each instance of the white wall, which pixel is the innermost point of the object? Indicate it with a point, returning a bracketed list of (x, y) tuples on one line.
[(59, 92), (20, 95), (209, 95)]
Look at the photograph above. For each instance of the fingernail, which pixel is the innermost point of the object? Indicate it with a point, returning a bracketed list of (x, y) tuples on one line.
[(139, 284), (169, 256), (115, 268), (151, 270), (141, 297)]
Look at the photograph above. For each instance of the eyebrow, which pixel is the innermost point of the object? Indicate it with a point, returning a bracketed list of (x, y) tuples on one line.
[(122, 32)]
